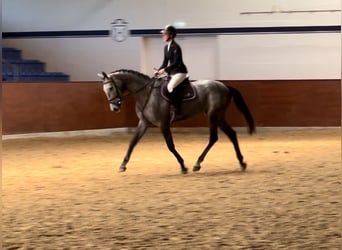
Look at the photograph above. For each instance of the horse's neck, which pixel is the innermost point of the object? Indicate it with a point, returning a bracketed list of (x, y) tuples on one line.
[(135, 85)]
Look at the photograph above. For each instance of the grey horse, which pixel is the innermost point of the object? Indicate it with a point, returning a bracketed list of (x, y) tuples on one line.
[(152, 109)]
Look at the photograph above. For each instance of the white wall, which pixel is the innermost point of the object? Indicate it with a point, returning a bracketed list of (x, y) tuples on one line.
[(201, 63), (258, 56), (279, 56), (28, 15), (82, 58)]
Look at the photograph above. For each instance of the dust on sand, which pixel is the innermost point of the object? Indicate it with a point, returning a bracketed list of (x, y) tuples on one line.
[(66, 193)]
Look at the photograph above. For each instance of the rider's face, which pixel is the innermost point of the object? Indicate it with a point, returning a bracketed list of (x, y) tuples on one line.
[(166, 37)]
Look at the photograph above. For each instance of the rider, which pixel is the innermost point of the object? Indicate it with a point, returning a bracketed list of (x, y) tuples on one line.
[(172, 64)]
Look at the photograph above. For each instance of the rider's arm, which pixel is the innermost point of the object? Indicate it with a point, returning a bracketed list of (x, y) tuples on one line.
[(166, 60), (176, 59)]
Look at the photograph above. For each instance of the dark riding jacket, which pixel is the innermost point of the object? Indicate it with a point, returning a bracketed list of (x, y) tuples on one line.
[(173, 59)]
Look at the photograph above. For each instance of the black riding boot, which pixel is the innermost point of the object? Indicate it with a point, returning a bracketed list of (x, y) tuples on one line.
[(176, 101)]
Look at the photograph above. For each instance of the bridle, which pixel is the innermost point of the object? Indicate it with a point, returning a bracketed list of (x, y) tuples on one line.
[(118, 92), (119, 96), (117, 100)]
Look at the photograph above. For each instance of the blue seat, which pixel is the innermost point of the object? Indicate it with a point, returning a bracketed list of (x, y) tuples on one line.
[(7, 76), (6, 67), (11, 54), (8, 71), (16, 69), (54, 77), (28, 66), (59, 77)]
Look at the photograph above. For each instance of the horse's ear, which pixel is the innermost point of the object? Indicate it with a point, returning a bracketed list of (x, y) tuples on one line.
[(100, 75), (103, 75)]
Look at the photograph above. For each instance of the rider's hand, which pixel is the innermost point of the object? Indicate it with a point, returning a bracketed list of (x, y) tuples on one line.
[(161, 71)]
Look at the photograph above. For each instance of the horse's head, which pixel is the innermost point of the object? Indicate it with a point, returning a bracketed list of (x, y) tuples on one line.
[(112, 91)]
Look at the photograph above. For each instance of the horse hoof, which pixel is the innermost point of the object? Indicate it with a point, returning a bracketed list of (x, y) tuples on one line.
[(243, 166), (184, 171), (122, 169), (196, 168)]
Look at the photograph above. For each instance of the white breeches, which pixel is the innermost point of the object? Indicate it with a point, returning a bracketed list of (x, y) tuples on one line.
[(176, 79)]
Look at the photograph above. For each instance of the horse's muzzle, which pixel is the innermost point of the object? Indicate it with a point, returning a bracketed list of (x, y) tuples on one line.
[(115, 105), (114, 108)]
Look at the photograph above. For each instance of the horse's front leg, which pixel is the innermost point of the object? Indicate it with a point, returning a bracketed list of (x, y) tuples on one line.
[(140, 131), (171, 146)]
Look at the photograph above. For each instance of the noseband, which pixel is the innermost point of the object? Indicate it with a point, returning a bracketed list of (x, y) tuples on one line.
[(118, 96)]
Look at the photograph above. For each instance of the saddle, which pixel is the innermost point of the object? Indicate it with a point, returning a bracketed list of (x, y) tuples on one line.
[(185, 90)]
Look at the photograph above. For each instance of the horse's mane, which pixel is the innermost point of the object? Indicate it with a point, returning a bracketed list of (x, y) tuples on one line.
[(132, 72)]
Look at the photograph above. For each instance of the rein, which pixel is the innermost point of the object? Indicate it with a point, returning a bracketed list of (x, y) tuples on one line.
[(148, 96), (137, 91), (120, 96)]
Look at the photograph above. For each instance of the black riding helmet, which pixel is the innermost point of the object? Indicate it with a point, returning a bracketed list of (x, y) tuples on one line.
[(169, 29)]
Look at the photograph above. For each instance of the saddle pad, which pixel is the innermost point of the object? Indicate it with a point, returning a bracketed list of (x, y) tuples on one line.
[(186, 90)]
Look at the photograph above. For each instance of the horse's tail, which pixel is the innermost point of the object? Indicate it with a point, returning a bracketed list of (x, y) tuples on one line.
[(242, 106)]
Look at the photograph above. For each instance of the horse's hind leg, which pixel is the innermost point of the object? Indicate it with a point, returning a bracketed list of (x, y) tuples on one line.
[(141, 129), (224, 126), (212, 139)]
